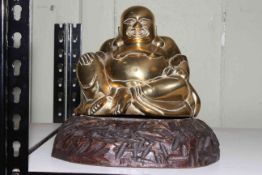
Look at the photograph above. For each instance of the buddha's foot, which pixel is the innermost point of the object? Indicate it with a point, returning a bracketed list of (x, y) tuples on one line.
[(97, 105), (94, 108)]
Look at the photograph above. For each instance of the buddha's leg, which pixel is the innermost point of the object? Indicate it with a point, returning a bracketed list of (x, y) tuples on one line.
[(166, 96), (194, 100), (103, 104), (82, 108), (167, 89), (121, 101), (114, 103)]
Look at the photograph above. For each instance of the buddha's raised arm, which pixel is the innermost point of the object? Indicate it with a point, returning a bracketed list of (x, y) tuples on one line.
[(91, 74)]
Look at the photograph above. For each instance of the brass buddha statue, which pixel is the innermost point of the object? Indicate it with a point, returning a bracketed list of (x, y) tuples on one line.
[(138, 106), (137, 73)]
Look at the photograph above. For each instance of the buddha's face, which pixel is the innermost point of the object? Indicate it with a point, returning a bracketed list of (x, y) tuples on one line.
[(137, 28), (137, 25)]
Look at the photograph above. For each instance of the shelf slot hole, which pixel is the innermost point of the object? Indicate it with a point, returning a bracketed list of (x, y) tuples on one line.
[(15, 171), (75, 39), (16, 67), (60, 37), (60, 67), (16, 94), (74, 97), (16, 121), (60, 82), (17, 40), (60, 97), (16, 148), (60, 53), (17, 10)]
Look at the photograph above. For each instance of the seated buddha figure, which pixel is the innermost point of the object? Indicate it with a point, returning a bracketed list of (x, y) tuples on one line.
[(136, 73)]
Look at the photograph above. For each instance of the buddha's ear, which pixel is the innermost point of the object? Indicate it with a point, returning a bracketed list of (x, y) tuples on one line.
[(117, 42), (158, 41), (120, 34)]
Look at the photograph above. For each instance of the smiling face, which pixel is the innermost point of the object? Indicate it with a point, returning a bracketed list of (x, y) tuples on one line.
[(137, 25), (137, 28)]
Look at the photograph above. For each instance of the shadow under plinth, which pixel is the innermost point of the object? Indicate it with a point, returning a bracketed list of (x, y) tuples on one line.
[(136, 142)]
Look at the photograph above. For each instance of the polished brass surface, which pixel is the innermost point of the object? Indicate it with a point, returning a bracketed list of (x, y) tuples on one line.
[(137, 73)]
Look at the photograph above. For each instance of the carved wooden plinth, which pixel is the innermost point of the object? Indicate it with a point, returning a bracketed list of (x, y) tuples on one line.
[(132, 142)]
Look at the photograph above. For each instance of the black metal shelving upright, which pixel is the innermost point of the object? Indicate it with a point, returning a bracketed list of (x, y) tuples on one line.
[(17, 86), (14, 83), (67, 48), (73, 89), (59, 72), (2, 89)]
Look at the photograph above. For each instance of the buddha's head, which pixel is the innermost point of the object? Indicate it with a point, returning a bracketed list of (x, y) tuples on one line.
[(137, 25)]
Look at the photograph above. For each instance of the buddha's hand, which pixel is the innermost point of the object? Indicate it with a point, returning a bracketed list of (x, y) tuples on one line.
[(88, 69), (178, 66), (87, 59)]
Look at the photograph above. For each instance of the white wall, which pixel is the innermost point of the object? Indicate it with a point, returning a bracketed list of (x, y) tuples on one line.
[(45, 13), (242, 80), (220, 37)]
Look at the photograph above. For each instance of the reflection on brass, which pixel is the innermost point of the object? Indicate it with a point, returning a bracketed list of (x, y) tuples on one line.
[(137, 73)]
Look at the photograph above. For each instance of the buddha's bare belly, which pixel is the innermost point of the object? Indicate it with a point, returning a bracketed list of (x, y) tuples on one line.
[(134, 69)]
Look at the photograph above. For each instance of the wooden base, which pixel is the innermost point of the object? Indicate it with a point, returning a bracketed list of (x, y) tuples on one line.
[(133, 142)]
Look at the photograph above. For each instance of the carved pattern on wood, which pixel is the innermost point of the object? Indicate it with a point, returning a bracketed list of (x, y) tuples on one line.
[(133, 142)]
